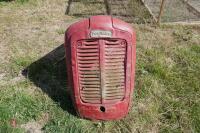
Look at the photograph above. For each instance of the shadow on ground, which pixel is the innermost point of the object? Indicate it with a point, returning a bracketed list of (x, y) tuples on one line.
[(49, 73)]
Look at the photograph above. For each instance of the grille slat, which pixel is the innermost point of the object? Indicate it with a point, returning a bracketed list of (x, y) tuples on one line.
[(88, 62), (92, 69), (113, 91), (113, 67), (88, 58), (110, 68), (114, 61), (88, 50), (89, 76), (92, 90), (88, 54)]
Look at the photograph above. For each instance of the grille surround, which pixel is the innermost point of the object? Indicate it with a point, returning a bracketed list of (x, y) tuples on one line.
[(101, 65)]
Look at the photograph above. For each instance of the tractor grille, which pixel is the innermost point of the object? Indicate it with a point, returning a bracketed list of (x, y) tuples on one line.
[(101, 70)]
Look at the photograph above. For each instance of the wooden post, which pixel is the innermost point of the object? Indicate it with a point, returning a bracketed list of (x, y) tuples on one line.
[(161, 11), (108, 8), (68, 7)]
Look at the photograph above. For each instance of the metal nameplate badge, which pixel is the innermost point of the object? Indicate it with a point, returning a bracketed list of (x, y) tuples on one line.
[(100, 33)]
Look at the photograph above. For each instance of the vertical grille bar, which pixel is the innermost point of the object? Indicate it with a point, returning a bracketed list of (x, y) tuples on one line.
[(102, 66)]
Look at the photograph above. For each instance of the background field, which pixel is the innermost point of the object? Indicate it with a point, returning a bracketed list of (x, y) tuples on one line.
[(33, 86)]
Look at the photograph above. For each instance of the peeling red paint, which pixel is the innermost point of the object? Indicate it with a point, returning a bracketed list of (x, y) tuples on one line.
[(101, 56)]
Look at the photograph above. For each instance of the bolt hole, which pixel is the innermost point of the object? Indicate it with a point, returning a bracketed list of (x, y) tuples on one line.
[(123, 43), (79, 44), (102, 109)]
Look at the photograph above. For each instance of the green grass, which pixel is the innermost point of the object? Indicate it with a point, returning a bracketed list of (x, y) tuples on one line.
[(167, 84)]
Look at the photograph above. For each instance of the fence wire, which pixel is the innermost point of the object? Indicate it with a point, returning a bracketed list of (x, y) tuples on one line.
[(175, 10), (139, 11)]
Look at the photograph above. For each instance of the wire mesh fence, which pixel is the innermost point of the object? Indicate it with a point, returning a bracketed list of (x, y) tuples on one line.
[(174, 10), (127, 10), (139, 11)]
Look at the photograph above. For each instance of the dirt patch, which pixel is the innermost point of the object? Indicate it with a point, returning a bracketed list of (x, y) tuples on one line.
[(3, 52), (2, 75), (32, 127), (36, 127)]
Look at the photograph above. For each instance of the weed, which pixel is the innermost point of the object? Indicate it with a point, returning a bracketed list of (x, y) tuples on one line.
[(60, 31)]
